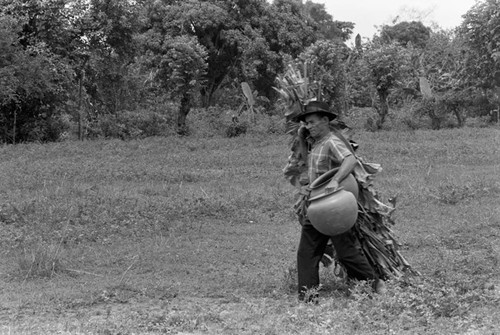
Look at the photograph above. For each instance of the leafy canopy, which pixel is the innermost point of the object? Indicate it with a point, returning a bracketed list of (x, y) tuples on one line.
[(480, 31)]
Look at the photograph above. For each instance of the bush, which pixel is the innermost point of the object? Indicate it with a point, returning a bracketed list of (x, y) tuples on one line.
[(236, 129), (49, 129), (40, 261), (211, 121), (358, 118), (131, 125), (268, 124), (144, 123), (481, 106), (407, 117), (479, 122), (223, 121)]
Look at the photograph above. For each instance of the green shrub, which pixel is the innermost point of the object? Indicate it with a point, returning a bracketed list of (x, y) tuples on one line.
[(48, 129), (268, 124), (357, 118), (236, 129), (127, 125), (211, 121), (479, 122), (451, 193), (40, 260), (144, 123), (407, 118)]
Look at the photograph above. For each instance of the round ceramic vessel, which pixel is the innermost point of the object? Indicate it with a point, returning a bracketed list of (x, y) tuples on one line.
[(334, 213), (349, 184)]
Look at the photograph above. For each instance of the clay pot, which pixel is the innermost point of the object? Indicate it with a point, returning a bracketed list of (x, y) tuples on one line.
[(318, 186), (333, 213)]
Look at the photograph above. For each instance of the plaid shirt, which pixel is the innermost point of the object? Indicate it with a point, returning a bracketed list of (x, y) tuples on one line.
[(326, 154)]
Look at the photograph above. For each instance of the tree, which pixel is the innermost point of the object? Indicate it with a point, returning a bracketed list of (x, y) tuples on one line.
[(385, 65), (87, 51), (272, 33), (256, 63), (209, 23), (10, 58), (94, 37), (36, 82), (244, 40), (404, 33), (441, 64), (214, 28), (287, 28), (209, 52), (327, 59), (181, 70), (283, 31), (480, 31), (106, 51), (41, 22), (327, 27)]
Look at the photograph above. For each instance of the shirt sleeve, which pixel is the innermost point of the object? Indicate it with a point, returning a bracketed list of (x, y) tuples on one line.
[(337, 150)]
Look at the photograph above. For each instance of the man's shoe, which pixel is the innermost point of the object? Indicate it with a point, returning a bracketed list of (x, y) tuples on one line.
[(309, 298), (312, 299)]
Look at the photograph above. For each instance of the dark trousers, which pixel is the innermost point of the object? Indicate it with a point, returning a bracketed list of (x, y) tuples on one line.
[(311, 248)]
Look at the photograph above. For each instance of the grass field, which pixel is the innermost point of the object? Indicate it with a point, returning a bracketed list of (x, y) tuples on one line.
[(197, 236)]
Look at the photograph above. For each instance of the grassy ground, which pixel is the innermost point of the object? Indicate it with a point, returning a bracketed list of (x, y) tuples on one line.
[(197, 236)]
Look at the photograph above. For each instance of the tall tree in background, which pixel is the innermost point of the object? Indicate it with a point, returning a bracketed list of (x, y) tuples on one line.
[(273, 33), (258, 65), (385, 65), (108, 28), (42, 22), (90, 42), (213, 27), (480, 31), (282, 31), (406, 33), (327, 27), (210, 52), (181, 71), (328, 58), (36, 78), (440, 65), (244, 40)]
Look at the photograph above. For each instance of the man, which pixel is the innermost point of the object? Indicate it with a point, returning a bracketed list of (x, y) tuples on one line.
[(327, 151)]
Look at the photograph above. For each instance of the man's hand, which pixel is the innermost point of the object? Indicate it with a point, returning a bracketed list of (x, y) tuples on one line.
[(303, 132), (332, 186)]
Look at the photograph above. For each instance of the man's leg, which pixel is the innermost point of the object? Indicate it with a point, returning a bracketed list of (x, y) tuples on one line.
[(311, 247), (351, 256)]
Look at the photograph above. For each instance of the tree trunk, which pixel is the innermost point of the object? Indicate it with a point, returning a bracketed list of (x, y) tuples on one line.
[(80, 129), (204, 97), (14, 127), (384, 108), (207, 96), (435, 119), (184, 109), (460, 117)]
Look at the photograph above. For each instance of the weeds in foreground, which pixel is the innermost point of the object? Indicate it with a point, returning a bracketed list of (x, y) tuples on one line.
[(452, 193), (40, 260), (424, 300)]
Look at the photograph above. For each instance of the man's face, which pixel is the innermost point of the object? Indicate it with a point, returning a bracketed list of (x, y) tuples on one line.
[(317, 124)]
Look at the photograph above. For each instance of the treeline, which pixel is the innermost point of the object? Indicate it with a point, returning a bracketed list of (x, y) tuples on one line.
[(102, 68)]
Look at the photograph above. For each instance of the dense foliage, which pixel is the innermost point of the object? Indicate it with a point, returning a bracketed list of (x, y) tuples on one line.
[(405, 33), (481, 33), (74, 66)]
